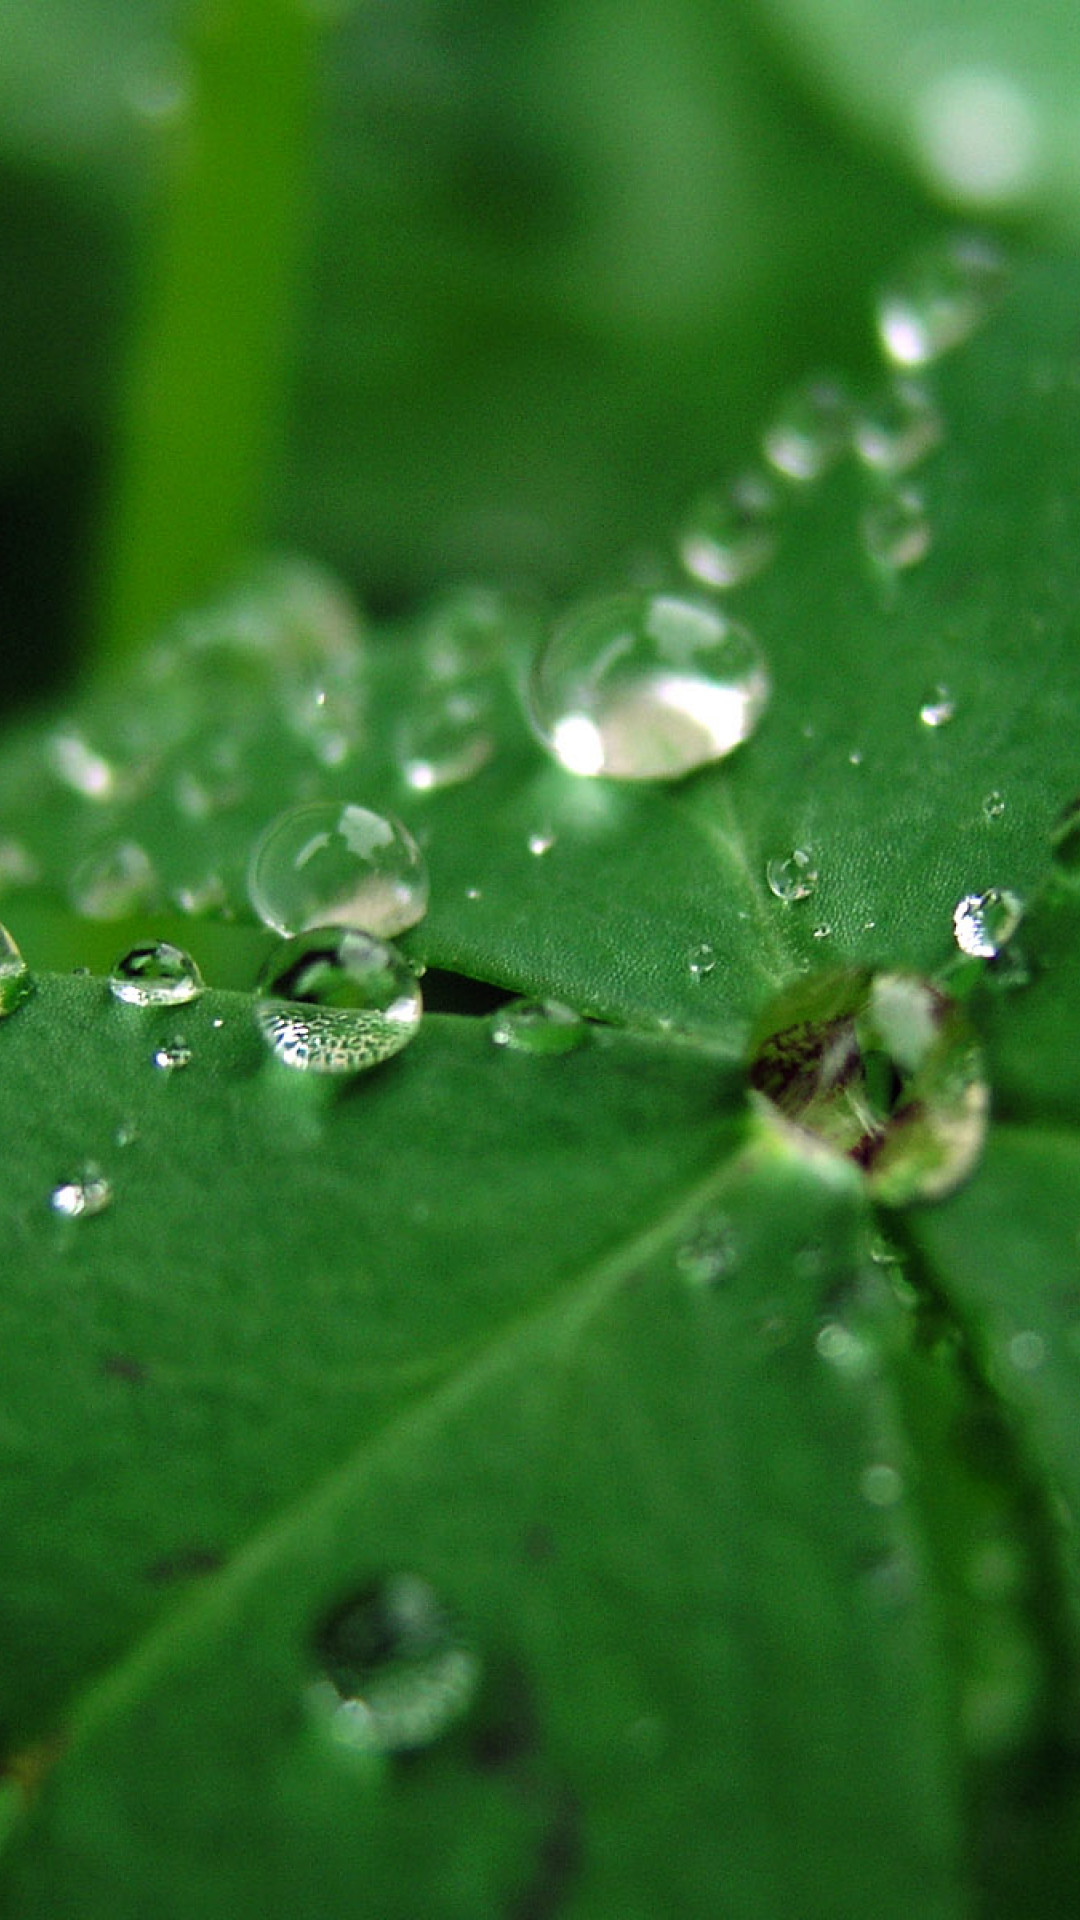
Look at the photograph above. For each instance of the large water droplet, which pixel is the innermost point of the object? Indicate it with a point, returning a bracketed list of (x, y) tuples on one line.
[(87, 1193), (939, 299), (896, 531), (395, 1672), (337, 1001), (730, 533), (539, 1026), (114, 882), (446, 737), (15, 982), (647, 686), (328, 865), (898, 429), (156, 975), (938, 708), (792, 876), (985, 922), (883, 1068), (811, 431)]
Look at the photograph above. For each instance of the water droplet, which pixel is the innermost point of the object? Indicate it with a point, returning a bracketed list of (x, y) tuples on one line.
[(881, 1485), (983, 923), (328, 865), (994, 805), (824, 932), (539, 1026), (855, 758), (473, 893), (15, 982), (446, 737), (898, 429), (846, 1351), (75, 762), (939, 299), (18, 867), (730, 534), (156, 975), (466, 632), (211, 780), (896, 531), (701, 960), (977, 135), (541, 843), (812, 430), (172, 1055), (87, 1193), (647, 686), (334, 1000), (324, 707), (1027, 1351), (881, 1067), (938, 708), (707, 1255), (395, 1671), (127, 1133), (792, 877), (114, 882)]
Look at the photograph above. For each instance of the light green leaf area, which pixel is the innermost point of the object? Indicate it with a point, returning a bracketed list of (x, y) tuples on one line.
[(631, 1383), (979, 101)]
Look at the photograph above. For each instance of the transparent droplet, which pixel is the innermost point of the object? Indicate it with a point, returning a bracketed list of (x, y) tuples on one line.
[(334, 1000), (212, 779), (812, 430), (18, 867), (823, 932), (882, 1068), (984, 923), (978, 137), (446, 737), (898, 429), (172, 1055), (395, 1672), (896, 530), (323, 705), (15, 981), (541, 843), (79, 766), (328, 865), (701, 960), (114, 882), (881, 1485), (938, 708), (156, 975), (1027, 1351), (848, 1352), (467, 631), (730, 534), (993, 805), (647, 686), (939, 299), (538, 1026), (87, 1193), (792, 876), (707, 1255)]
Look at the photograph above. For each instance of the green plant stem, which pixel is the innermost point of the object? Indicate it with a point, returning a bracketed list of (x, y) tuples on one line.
[(210, 366)]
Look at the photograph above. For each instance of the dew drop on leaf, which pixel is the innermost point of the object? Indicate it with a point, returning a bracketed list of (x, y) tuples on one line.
[(707, 1255), (984, 923), (446, 737), (881, 1485), (114, 882), (792, 876), (466, 632), (84, 1195), (543, 1027), (701, 960), (647, 686), (730, 533), (938, 707), (335, 1000), (540, 843), (325, 864), (155, 975), (993, 805), (939, 299), (898, 429), (811, 431), (395, 1672), (79, 766), (882, 1068), (15, 982), (896, 531), (172, 1055)]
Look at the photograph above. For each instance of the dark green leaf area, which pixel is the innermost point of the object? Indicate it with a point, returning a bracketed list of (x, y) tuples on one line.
[(599, 1410)]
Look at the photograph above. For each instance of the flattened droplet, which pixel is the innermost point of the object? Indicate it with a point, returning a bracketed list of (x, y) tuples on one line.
[(541, 1027), (395, 1672), (939, 298), (337, 1001), (155, 975), (331, 865)]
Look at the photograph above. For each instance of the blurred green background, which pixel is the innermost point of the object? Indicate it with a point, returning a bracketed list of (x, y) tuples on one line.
[(560, 256)]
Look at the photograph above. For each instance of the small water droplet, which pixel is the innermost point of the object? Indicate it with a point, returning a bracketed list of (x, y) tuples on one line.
[(812, 430), (881, 1485), (707, 1255), (79, 766), (156, 975), (898, 429), (938, 708), (824, 932), (882, 1068), (939, 299), (467, 631), (538, 1026), (18, 867), (855, 758), (541, 843), (848, 1352), (984, 923), (127, 1133), (701, 960), (87, 1193), (1027, 1351), (446, 737), (473, 893), (212, 780), (793, 876), (114, 882), (337, 1001), (730, 534), (896, 531), (395, 1671), (647, 686), (324, 864), (15, 981), (172, 1055), (993, 805)]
